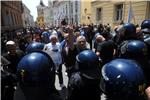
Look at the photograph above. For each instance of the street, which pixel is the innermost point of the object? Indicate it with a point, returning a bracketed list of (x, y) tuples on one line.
[(63, 92)]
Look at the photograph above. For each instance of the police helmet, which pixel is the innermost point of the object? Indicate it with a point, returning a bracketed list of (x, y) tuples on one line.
[(34, 46), (134, 49), (36, 69), (145, 26), (88, 64), (129, 30), (122, 78)]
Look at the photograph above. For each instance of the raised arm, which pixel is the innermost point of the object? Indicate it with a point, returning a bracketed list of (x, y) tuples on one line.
[(70, 41)]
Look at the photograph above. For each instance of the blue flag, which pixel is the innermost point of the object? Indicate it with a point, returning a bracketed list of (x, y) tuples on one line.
[(130, 13)]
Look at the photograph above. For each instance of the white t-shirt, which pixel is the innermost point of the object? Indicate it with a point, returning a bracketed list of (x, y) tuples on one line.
[(55, 52)]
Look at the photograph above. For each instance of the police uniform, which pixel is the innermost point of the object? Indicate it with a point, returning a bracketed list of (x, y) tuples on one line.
[(145, 28), (82, 88), (84, 84), (8, 81)]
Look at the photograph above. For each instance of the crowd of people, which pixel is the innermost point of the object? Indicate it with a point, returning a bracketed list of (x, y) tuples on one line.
[(102, 63)]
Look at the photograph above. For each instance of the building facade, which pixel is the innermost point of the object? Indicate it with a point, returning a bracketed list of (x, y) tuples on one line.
[(40, 18), (31, 21), (61, 10), (73, 11), (27, 17), (49, 14), (113, 12), (68, 10), (85, 14), (47, 17), (55, 13), (11, 16)]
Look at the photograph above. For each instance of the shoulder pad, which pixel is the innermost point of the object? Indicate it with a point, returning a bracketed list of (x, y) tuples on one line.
[(75, 80), (147, 40)]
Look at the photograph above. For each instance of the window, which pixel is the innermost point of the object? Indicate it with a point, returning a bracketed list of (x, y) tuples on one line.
[(2, 18), (41, 12), (76, 19), (16, 18), (118, 10), (12, 17), (66, 10), (76, 6), (6, 18), (71, 8), (63, 10), (99, 14)]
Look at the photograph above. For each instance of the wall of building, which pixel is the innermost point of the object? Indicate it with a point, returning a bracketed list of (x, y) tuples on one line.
[(27, 17), (40, 11), (108, 11), (139, 10), (11, 15), (68, 10), (31, 21), (61, 10), (76, 11), (85, 13), (47, 16)]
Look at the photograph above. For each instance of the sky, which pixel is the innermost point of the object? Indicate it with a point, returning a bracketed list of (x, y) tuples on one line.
[(32, 4)]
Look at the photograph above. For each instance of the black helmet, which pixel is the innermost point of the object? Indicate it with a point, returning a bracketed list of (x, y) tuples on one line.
[(36, 69), (145, 26), (88, 64), (134, 49), (126, 32), (34, 46), (129, 30), (122, 78)]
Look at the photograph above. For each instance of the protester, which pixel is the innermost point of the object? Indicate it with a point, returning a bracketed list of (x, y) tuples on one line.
[(54, 50)]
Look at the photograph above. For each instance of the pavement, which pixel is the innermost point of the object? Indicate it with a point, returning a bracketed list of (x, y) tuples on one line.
[(63, 92)]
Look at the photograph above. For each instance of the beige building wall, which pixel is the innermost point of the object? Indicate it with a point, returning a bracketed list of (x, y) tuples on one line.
[(85, 12), (141, 10)]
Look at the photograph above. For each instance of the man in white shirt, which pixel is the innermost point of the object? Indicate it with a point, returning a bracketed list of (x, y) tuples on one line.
[(54, 50)]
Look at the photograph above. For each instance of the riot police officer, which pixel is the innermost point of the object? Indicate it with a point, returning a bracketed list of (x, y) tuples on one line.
[(13, 56), (126, 33), (8, 81), (123, 79), (84, 84), (137, 50), (145, 28), (36, 77)]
